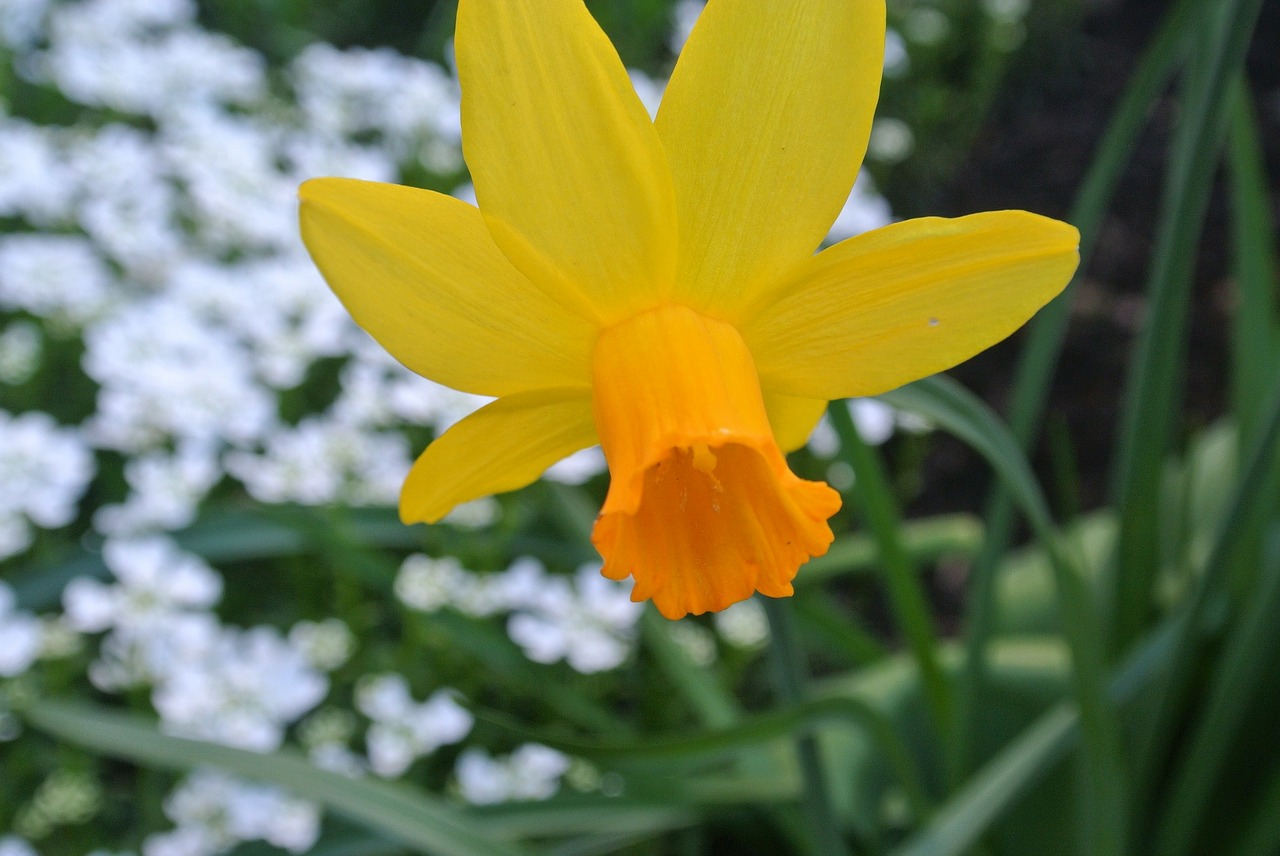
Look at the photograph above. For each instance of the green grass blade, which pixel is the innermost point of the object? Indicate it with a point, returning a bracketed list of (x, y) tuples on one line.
[(1039, 358), (1255, 334), (1259, 475), (583, 814), (801, 718), (925, 540), (1011, 773), (790, 673), (906, 594), (700, 687), (964, 818), (1261, 837), (1152, 396), (1246, 656), (395, 811), (1104, 797)]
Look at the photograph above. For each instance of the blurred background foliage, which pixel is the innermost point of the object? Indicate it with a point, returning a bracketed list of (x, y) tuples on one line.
[(1047, 625)]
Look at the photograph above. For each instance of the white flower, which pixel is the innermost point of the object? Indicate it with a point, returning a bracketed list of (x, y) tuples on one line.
[(12, 845), (743, 625), (326, 644), (320, 461), (154, 580), (20, 638), (214, 812), (243, 692), (167, 374), (428, 584), (897, 60), (44, 469), (166, 490), (35, 180), (54, 276), (126, 205), (408, 101), (531, 772), (589, 624), (404, 730), (20, 351), (119, 54)]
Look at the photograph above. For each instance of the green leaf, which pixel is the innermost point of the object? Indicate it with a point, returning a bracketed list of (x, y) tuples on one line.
[(951, 406), (396, 811), (902, 582), (750, 732), (958, 824), (1046, 334), (1247, 656), (1153, 388), (1255, 336), (925, 540)]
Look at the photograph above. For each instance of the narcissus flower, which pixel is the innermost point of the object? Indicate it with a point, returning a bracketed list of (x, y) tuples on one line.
[(653, 286)]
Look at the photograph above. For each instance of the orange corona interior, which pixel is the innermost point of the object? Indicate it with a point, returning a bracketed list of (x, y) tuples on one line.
[(702, 510)]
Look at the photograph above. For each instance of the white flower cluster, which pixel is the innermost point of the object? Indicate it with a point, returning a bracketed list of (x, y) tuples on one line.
[(531, 772), (214, 812), (588, 621), (12, 845), (404, 730), (168, 240), (20, 637), (44, 469), (238, 687)]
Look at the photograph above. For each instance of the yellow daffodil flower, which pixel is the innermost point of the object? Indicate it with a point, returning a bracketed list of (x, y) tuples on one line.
[(653, 286)]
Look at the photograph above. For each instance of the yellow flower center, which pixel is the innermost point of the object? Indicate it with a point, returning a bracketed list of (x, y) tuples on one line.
[(702, 509)]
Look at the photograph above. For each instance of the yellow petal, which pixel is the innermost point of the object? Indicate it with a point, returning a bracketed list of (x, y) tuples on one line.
[(502, 446), (903, 302), (764, 123), (792, 418), (562, 151), (419, 271)]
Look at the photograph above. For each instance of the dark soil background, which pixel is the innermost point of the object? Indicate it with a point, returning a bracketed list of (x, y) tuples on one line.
[(1033, 153)]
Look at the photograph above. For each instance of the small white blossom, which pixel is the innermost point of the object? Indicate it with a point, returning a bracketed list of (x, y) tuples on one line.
[(214, 812), (404, 730), (167, 374), (320, 461), (35, 180), (154, 580), (589, 623), (44, 469), (20, 350), (428, 584), (243, 692), (743, 625), (326, 644), (20, 638), (165, 491), (54, 276), (531, 772), (12, 845)]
